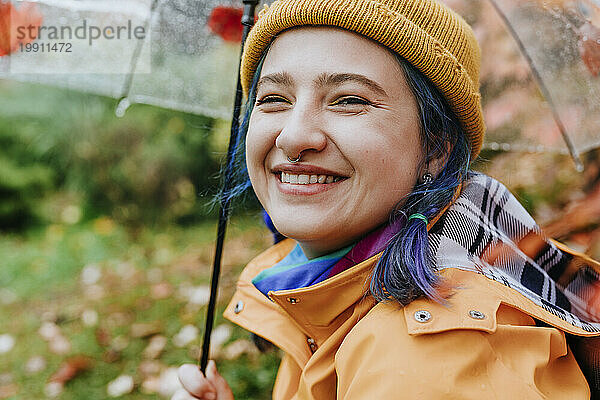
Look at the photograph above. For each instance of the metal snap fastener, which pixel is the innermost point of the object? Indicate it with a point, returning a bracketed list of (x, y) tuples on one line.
[(239, 306), (475, 314), (293, 300), (312, 344), (422, 316)]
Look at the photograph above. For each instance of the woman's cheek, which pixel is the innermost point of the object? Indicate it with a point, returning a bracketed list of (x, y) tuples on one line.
[(258, 146)]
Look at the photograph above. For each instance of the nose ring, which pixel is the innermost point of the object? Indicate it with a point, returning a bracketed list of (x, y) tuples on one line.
[(297, 159)]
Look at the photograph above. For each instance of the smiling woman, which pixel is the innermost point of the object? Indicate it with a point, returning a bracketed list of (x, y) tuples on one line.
[(357, 128), (404, 274)]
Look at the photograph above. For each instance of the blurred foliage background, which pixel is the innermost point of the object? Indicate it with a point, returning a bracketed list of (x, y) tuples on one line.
[(64, 157)]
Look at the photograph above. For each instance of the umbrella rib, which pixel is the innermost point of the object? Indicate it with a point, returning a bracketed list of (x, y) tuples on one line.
[(124, 102), (536, 74)]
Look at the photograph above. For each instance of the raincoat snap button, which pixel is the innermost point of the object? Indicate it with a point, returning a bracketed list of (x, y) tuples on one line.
[(476, 314), (238, 307), (422, 316), (312, 344), (293, 300)]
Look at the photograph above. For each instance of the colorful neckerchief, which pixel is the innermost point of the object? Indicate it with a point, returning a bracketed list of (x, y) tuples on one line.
[(296, 271)]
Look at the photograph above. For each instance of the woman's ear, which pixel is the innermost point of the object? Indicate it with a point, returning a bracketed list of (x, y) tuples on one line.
[(436, 165)]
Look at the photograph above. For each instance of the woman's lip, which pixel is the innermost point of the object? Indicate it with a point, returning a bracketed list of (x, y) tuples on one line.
[(306, 169)]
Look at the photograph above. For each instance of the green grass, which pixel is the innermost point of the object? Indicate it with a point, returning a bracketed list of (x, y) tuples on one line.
[(43, 270)]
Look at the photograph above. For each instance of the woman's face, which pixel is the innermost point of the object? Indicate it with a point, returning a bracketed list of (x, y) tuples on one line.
[(341, 101)]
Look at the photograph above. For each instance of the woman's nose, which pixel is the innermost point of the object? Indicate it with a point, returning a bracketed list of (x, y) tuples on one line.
[(301, 132)]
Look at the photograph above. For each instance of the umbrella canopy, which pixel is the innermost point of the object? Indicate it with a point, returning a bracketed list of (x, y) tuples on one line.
[(187, 60), (548, 94), (183, 56)]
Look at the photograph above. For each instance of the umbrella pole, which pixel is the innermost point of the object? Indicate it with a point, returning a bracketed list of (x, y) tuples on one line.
[(536, 74), (247, 22)]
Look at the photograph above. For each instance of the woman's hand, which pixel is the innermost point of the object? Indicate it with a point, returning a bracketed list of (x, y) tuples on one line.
[(197, 386)]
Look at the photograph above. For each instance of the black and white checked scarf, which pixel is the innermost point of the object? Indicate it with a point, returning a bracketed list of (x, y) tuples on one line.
[(486, 215)]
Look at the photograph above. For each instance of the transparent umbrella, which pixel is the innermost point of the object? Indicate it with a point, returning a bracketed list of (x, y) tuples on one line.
[(540, 66), (541, 60), (177, 54)]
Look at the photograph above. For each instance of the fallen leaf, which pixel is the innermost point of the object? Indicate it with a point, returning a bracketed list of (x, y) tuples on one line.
[(53, 389), (89, 317), (111, 356), (49, 330), (151, 385), (142, 330), (59, 345), (149, 367), (70, 368), (7, 342), (185, 336), (102, 337), (169, 382), (235, 349), (91, 274), (9, 390), (155, 347), (161, 290), (35, 364), (120, 386), (7, 296), (119, 343), (218, 337)]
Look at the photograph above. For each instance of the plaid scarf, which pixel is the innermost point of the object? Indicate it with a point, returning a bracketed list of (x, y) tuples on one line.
[(488, 231)]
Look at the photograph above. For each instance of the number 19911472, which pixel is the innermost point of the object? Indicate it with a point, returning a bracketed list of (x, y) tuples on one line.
[(45, 47)]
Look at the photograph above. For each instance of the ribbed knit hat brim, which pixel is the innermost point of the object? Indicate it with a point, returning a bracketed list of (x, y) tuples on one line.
[(426, 33)]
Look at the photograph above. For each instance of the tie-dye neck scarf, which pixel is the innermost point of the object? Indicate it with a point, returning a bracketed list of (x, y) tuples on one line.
[(297, 271)]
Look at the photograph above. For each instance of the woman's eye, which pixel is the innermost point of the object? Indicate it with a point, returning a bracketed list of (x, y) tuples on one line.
[(271, 100), (351, 101)]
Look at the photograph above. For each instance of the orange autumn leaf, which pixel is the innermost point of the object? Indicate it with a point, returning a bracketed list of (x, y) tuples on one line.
[(70, 368), (589, 47), (14, 24)]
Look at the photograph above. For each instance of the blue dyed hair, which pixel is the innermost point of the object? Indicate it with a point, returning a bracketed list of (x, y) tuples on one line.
[(406, 270)]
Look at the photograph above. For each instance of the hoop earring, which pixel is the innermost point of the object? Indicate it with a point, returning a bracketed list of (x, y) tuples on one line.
[(427, 178)]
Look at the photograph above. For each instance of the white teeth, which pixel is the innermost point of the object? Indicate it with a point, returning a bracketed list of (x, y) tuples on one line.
[(303, 179)]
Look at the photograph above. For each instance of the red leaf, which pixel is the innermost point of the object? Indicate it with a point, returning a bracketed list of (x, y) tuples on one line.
[(589, 47), (70, 369), (227, 23), (15, 24)]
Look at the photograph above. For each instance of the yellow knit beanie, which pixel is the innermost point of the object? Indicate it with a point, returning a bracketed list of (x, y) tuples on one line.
[(426, 33)]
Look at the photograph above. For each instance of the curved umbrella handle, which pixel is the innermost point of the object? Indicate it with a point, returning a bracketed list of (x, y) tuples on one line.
[(247, 22)]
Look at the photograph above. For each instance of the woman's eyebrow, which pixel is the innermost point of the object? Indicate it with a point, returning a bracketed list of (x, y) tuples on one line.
[(323, 80), (278, 78), (336, 79)]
